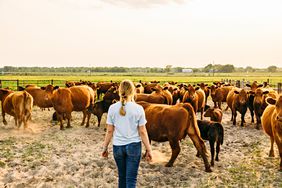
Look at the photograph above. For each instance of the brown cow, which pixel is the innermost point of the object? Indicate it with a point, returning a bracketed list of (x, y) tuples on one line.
[(3, 94), (139, 88), (204, 87), (159, 96), (259, 103), (40, 97), (196, 97), (237, 100), (271, 121), (173, 123), (219, 94), (102, 87), (99, 108), (111, 95), (148, 86), (19, 105), (215, 114), (66, 100), (253, 87)]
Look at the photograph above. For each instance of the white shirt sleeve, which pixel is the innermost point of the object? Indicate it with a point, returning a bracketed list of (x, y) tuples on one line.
[(110, 117), (142, 119)]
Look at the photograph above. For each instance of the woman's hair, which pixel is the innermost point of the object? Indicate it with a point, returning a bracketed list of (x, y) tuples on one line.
[(126, 90)]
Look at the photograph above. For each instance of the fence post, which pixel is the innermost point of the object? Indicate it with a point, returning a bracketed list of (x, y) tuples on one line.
[(18, 84), (0, 83), (52, 82), (279, 88), (238, 82)]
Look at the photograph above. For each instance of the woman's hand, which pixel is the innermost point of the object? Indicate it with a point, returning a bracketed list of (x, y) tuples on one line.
[(105, 154), (149, 155)]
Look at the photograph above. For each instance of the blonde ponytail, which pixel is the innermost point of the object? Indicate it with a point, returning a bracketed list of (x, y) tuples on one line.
[(126, 90)]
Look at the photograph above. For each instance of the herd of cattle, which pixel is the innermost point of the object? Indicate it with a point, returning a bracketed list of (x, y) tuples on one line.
[(170, 109)]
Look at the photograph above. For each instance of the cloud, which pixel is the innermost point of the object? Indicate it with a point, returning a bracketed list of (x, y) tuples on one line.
[(142, 3)]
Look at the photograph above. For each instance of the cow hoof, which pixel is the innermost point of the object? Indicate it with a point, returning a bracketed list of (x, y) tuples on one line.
[(271, 154), (68, 127), (87, 126), (208, 169), (168, 165), (198, 155), (216, 159), (62, 128), (105, 129), (212, 163), (5, 122)]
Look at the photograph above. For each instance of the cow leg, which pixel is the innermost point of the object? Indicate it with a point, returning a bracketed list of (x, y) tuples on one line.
[(279, 144), (3, 115), (258, 120), (68, 116), (234, 117), (219, 105), (202, 113), (212, 151), (198, 154), (200, 145), (243, 118), (252, 115), (60, 118), (217, 150), (99, 120), (174, 144), (84, 117), (271, 152), (215, 105), (88, 118)]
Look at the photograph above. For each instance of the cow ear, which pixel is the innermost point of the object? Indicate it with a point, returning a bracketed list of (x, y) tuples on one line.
[(270, 101), (4, 91), (43, 88), (175, 89), (248, 85), (56, 87), (197, 88), (208, 87), (206, 84), (215, 83), (165, 88), (20, 88), (198, 84), (260, 85), (236, 92), (265, 92)]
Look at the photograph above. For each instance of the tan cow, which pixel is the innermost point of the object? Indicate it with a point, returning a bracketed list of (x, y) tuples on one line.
[(19, 105), (66, 100), (3, 94), (271, 121)]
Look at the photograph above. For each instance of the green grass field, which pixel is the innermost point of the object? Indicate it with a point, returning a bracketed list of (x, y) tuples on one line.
[(59, 79)]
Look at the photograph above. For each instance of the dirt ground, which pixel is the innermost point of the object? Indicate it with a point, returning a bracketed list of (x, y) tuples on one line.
[(43, 156)]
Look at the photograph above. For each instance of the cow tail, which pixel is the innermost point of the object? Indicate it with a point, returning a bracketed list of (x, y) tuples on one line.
[(220, 130), (28, 103), (193, 117)]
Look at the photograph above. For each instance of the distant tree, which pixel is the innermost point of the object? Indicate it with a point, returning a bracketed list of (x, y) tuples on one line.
[(272, 68), (208, 68), (250, 69), (168, 68), (227, 68)]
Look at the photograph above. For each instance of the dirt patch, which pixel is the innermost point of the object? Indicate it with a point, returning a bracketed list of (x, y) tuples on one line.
[(44, 156)]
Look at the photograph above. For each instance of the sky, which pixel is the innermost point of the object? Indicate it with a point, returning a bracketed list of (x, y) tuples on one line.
[(140, 33)]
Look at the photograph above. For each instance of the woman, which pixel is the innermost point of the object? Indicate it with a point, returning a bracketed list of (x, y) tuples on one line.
[(126, 124)]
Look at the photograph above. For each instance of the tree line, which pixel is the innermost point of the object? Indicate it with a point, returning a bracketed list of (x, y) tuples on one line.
[(228, 68)]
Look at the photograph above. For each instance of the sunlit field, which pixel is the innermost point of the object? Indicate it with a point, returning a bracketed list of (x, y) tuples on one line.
[(193, 78)]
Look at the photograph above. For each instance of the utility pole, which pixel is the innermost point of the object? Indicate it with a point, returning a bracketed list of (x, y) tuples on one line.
[(213, 68)]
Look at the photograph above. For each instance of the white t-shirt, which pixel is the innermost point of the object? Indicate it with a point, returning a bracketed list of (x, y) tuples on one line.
[(126, 127)]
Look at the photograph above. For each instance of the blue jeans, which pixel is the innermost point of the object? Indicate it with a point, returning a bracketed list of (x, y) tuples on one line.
[(127, 158)]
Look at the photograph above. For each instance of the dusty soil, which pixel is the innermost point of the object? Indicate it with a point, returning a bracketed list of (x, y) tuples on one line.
[(44, 156)]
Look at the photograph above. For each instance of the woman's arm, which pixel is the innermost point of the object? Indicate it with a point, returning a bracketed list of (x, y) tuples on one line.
[(108, 137), (144, 137)]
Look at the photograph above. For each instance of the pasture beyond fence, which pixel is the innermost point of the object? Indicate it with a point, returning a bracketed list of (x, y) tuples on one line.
[(14, 84)]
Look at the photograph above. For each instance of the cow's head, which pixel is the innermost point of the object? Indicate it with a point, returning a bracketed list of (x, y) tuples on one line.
[(242, 96), (4, 93), (254, 85), (111, 94), (278, 107), (259, 96)]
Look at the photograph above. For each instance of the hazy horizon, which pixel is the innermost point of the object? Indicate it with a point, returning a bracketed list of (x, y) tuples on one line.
[(140, 33)]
